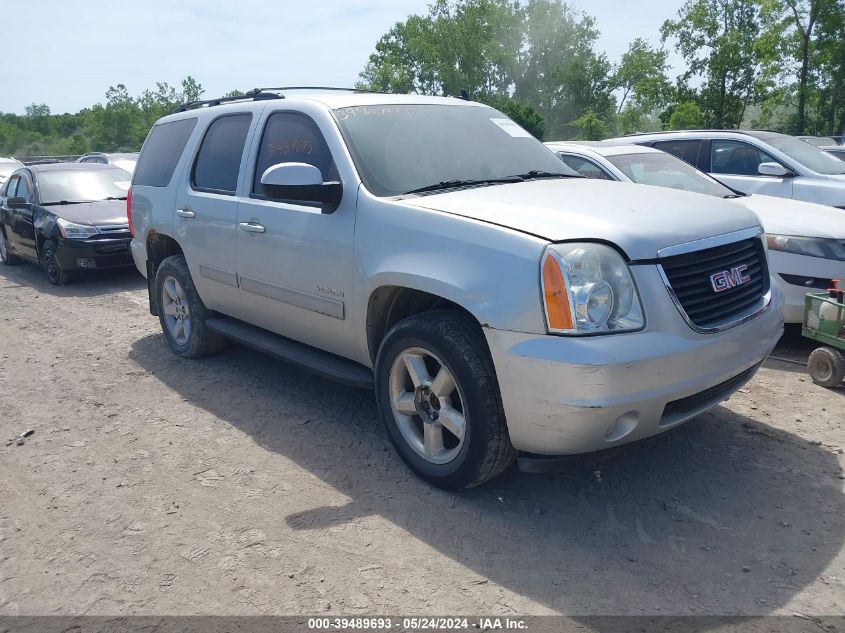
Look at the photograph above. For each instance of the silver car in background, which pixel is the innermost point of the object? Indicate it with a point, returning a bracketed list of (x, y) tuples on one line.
[(753, 161)]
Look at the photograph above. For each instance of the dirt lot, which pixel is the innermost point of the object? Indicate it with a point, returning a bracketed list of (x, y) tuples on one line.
[(238, 485)]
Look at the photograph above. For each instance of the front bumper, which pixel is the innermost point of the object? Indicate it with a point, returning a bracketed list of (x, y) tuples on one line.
[(94, 254), (804, 274), (569, 395)]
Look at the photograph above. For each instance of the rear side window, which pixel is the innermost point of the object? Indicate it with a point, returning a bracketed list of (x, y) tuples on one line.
[(161, 152), (292, 138), (585, 167), (12, 186), (685, 150), (219, 159)]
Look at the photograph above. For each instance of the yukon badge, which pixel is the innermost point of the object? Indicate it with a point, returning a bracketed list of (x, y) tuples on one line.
[(725, 279)]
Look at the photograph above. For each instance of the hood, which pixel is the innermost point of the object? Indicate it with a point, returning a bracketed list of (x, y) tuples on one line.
[(639, 219), (100, 213), (784, 216)]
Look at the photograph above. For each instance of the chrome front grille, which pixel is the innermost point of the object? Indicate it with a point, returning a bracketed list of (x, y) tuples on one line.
[(718, 287)]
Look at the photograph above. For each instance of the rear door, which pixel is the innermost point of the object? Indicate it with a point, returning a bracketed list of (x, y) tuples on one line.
[(206, 211), (736, 164)]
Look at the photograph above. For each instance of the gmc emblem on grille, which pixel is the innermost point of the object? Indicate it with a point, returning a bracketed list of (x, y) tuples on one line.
[(725, 279)]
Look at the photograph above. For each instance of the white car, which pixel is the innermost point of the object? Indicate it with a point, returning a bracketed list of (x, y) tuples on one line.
[(754, 161), (806, 241), (7, 166)]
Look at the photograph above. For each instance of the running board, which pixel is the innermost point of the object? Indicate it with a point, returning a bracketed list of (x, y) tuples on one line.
[(340, 369)]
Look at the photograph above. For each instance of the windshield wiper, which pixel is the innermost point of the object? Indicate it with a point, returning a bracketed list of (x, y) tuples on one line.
[(538, 173), (452, 184), (731, 196), (115, 198), (47, 204)]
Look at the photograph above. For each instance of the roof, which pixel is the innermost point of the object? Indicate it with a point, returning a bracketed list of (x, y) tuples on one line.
[(762, 134), (69, 167), (602, 148), (330, 98)]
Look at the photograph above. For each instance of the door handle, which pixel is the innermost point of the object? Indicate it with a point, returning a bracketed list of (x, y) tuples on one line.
[(185, 213), (252, 227)]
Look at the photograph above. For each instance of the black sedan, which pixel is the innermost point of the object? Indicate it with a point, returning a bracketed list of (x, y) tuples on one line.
[(65, 217)]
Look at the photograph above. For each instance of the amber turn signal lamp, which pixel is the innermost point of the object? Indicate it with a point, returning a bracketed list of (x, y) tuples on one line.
[(558, 311)]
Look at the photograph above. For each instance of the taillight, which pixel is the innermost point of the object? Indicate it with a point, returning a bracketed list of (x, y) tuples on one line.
[(129, 211)]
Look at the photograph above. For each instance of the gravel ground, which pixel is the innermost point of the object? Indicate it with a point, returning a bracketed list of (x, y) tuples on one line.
[(239, 485)]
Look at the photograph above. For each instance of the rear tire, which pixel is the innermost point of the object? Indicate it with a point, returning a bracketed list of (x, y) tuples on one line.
[(826, 366), (6, 256), (57, 275), (439, 400), (182, 313)]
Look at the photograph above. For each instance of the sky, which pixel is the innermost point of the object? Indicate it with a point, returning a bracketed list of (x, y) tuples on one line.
[(82, 47)]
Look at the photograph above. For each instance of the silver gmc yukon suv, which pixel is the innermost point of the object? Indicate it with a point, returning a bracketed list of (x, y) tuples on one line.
[(431, 249)]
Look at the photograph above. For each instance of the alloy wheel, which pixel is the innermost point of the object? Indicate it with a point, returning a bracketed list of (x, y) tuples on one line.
[(177, 313), (427, 405)]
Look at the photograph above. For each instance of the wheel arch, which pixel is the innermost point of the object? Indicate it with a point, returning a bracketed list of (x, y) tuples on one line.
[(390, 303), (159, 247)]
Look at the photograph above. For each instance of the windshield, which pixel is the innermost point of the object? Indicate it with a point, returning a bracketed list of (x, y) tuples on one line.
[(82, 185), (808, 155), (400, 148), (665, 170)]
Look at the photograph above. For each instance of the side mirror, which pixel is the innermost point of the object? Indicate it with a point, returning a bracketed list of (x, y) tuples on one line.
[(774, 169), (301, 182), (17, 203)]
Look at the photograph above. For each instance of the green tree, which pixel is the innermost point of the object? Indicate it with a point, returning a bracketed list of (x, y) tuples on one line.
[(590, 127), (718, 41), (803, 40), (686, 116), (641, 75)]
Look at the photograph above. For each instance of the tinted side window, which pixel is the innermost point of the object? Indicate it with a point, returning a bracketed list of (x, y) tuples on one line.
[(585, 167), (161, 152), (685, 150), (292, 138), (219, 159), (11, 187), (24, 189), (736, 157)]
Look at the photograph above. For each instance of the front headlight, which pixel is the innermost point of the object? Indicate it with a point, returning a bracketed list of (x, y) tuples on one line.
[(810, 246), (74, 231), (588, 289)]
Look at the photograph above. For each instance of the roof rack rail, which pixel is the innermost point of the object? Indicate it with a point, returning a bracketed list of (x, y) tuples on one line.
[(261, 94)]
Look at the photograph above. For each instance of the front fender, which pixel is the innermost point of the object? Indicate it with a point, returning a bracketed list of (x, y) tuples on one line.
[(490, 271)]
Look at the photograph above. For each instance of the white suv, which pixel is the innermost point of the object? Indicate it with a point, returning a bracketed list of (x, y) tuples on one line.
[(753, 161), (433, 250)]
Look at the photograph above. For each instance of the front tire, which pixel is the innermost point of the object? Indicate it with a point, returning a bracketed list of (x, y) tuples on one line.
[(182, 313), (57, 275), (6, 256), (439, 400)]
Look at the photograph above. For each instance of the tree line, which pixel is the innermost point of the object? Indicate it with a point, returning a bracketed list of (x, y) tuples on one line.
[(776, 64)]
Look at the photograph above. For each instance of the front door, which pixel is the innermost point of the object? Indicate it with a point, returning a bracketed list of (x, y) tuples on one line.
[(21, 233), (295, 262), (736, 164)]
